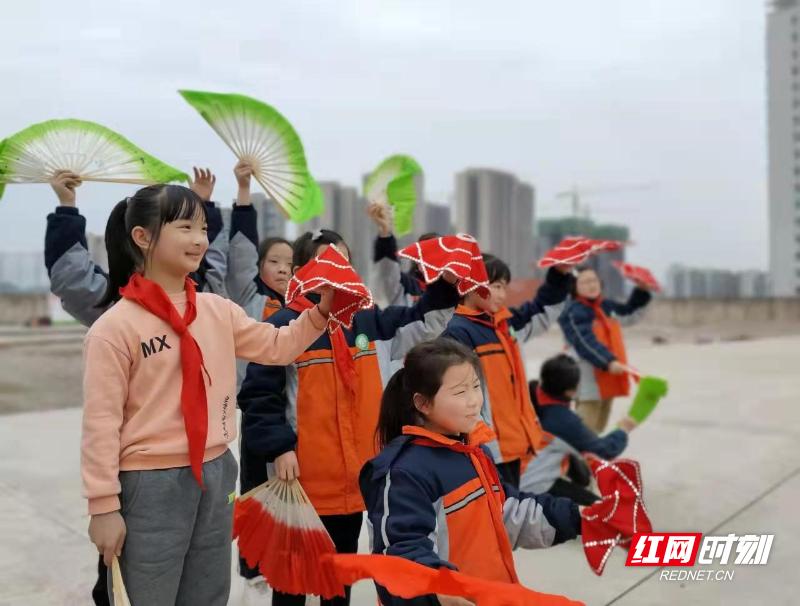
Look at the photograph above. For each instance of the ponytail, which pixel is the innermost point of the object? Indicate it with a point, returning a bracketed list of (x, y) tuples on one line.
[(397, 409), (122, 257), (151, 207), (306, 246), (422, 374)]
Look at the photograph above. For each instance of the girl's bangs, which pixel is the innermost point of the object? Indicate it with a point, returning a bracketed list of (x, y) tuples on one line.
[(181, 204)]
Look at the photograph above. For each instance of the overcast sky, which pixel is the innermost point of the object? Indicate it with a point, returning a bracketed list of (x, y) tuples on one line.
[(598, 94)]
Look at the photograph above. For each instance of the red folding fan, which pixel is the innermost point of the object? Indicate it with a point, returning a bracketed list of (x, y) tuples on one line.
[(279, 530), (574, 250), (459, 254), (620, 513), (637, 273), (332, 268)]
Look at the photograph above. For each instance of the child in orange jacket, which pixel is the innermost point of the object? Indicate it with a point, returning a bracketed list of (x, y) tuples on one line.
[(433, 494)]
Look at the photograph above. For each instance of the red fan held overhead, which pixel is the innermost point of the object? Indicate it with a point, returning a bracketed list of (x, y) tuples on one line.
[(637, 273), (459, 254), (574, 250), (279, 530), (620, 514), (331, 268), (406, 579)]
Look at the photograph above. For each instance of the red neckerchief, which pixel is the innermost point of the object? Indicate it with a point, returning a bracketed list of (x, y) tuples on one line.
[(597, 306), (487, 474), (544, 399), (342, 358), (608, 332), (499, 322), (194, 403)]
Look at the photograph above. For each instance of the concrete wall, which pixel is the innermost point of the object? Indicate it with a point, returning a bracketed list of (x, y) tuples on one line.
[(699, 312), (693, 312), (20, 308)]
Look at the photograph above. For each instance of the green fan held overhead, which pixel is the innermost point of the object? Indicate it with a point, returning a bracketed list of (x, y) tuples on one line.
[(393, 183), (91, 151), (312, 204), (651, 390), (258, 134)]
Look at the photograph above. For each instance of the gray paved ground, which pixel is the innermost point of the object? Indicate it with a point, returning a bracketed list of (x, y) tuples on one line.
[(721, 455)]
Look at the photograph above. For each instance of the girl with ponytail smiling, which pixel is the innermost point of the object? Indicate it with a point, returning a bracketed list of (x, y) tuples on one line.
[(160, 401), (433, 494)]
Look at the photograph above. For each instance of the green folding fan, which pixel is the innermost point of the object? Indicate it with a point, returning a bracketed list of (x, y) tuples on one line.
[(313, 203), (260, 135), (92, 151), (393, 183), (650, 392)]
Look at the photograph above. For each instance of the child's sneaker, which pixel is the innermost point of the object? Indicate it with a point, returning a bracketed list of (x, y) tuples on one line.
[(256, 592)]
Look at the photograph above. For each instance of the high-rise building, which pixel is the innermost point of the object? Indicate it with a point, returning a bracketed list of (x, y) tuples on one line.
[(550, 232), (754, 284), (420, 211), (704, 283), (345, 213), (498, 210), (97, 250), (437, 219), (783, 103), (677, 286), (23, 272), (271, 220)]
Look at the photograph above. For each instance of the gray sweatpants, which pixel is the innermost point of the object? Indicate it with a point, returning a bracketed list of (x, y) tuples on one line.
[(177, 550)]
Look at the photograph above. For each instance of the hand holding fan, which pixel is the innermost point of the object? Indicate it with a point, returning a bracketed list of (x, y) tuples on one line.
[(86, 149), (459, 254), (638, 274), (392, 182), (118, 585), (574, 250), (612, 521), (331, 268), (279, 530), (259, 135)]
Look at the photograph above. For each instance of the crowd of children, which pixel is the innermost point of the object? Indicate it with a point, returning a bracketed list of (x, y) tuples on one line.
[(420, 414)]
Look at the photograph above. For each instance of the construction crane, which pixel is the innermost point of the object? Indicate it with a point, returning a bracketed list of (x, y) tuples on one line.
[(577, 193)]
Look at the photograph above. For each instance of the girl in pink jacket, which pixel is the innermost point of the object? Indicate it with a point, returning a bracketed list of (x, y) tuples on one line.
[(160, 402)]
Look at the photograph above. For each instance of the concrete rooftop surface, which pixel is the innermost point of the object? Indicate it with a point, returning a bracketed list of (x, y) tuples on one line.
[(720, 455)]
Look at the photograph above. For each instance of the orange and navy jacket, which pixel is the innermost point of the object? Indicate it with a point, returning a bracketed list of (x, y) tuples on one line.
[(441, 507), (392, 285), (558, 418), (578, 325), (506, 405), (306, 407)]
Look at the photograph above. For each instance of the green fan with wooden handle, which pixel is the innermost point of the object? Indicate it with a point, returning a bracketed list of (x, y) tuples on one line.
[(392, 183), (258, 134), (90, 150)]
